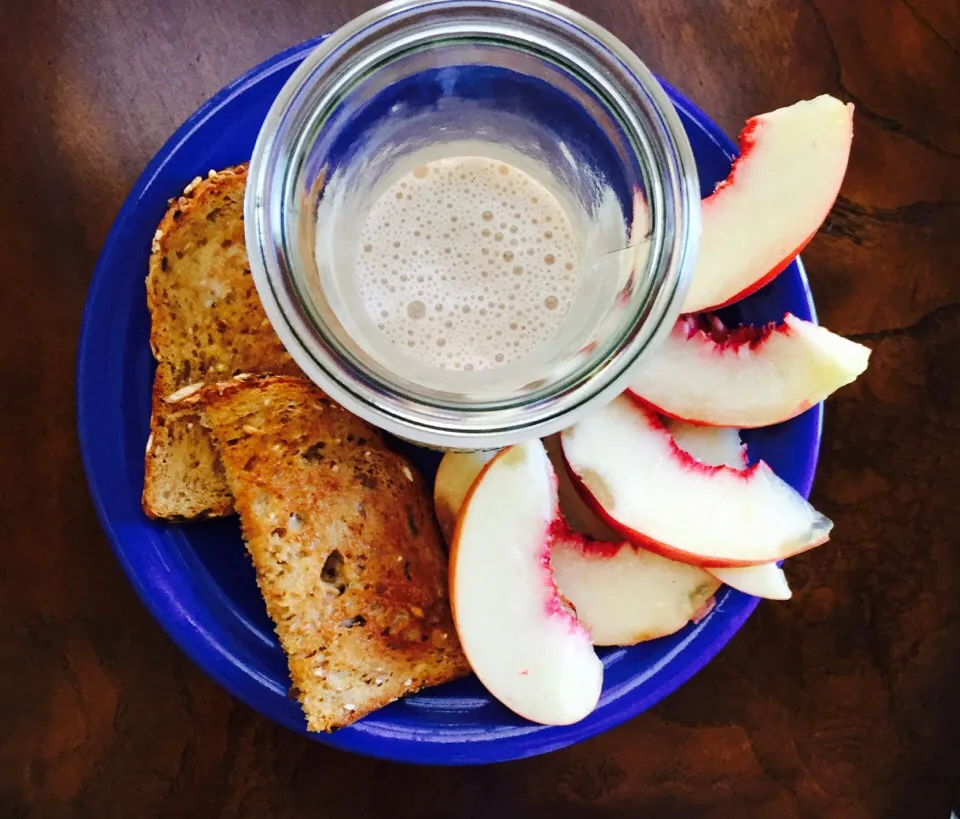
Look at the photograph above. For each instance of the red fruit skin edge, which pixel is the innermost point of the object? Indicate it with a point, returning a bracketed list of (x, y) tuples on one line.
[(747, 139), (713, 332), (649, 406), (557, 604), (563, 532)]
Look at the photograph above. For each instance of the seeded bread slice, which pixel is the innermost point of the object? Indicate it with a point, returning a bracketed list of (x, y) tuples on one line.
[(346, 548), (207, 324)]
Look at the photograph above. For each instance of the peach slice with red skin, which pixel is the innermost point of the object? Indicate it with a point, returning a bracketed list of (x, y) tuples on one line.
[(629, 468), (745, 376), (521, 639), (788, 175)]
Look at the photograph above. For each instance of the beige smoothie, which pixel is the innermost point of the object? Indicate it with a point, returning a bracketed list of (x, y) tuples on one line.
[(467, 263)]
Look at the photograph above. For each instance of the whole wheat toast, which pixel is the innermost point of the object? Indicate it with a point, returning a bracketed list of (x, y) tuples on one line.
[(345, 545), (207, 324)]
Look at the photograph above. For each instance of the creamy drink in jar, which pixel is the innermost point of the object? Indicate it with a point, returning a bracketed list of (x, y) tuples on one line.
[(468, 262)]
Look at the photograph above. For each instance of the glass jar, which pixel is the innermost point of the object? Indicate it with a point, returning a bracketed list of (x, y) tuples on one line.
[(527, 79)]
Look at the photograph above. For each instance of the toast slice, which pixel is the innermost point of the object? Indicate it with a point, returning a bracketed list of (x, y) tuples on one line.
[(207, 324), (345, 545)]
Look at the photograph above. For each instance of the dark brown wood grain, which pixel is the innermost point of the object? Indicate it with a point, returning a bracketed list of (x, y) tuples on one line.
[(840, 703)]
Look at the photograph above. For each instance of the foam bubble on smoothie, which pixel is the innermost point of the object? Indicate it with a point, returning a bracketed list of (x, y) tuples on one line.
[(467, 263)]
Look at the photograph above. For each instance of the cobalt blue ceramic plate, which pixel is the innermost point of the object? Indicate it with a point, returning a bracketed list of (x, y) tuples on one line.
[(196, 579)]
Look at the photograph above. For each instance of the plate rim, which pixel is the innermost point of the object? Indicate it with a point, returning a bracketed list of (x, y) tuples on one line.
[(410, 750)]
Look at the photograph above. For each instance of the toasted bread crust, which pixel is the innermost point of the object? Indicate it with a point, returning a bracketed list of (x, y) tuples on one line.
[(207, 323), (347, 552)]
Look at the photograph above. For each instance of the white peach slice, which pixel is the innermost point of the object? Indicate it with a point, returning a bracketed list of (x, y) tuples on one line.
[(521, 640), (630, 468), (625, 594), (718, 446), (455, 476), (714, 446), (766, 580), (779, 191), (746, 376)]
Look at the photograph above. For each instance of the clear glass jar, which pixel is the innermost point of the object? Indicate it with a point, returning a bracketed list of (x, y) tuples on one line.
[(530, 77)]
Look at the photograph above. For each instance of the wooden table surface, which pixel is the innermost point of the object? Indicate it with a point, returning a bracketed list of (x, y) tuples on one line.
[(843, 702)]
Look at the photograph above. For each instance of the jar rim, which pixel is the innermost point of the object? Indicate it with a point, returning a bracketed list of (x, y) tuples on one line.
[(404, 24)]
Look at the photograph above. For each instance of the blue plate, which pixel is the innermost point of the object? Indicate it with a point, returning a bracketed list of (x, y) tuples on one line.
[(196, 579)]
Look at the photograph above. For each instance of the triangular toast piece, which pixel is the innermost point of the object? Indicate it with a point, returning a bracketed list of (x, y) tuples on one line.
[(346, 548)]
